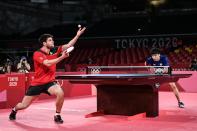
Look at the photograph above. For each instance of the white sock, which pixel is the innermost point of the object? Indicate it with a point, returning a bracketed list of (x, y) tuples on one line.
[(14, 109), (57, 114)]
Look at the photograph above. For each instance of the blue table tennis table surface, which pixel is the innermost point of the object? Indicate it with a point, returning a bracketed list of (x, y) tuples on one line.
[(118, 75)]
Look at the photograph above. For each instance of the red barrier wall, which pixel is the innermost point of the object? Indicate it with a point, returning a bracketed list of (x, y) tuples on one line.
[(16, 88), (184, 85)]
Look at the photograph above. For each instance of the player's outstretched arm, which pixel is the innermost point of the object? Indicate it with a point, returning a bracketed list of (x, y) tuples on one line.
[(74, 40)]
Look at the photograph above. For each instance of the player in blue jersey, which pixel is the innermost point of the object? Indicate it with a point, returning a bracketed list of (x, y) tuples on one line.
[(157, 59)]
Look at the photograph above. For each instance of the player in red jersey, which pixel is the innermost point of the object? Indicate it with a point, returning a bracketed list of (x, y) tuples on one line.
[(45, 60)]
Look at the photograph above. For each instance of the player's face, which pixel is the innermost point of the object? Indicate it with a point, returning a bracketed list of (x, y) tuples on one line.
[(156, 57), (49, 43)]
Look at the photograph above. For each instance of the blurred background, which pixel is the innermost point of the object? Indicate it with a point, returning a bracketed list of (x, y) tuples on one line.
[(119, 32)]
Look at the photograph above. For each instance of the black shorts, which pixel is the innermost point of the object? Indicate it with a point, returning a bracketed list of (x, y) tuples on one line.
[(37, 90)]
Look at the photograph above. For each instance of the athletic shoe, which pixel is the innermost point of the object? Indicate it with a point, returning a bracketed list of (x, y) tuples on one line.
[(58, 119), (12, 115), (181, 104)]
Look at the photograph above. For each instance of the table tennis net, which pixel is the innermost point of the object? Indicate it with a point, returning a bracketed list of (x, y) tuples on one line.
[(128, 70)]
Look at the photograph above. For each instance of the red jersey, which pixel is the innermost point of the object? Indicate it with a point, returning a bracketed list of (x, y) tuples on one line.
[(44, 74)]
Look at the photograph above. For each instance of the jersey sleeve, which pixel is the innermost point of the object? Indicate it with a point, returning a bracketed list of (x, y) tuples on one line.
[(39, 57), (166, 61), (148, 61)]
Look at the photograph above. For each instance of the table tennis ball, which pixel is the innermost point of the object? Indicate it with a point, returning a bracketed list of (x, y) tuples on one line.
[(79, 26)]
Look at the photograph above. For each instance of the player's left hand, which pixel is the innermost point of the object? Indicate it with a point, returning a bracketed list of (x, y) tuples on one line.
[(165, 70), (81, 31), (65, 54)]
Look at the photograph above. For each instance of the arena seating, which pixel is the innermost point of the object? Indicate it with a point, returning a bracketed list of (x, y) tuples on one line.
[(180, 58)]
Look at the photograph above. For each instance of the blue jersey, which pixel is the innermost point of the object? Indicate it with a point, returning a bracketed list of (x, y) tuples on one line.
[(162, 62)]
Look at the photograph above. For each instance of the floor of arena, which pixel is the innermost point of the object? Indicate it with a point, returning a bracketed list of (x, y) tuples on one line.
[(40, 116)]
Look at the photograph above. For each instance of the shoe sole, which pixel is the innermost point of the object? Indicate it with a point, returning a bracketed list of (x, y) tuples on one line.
[(58, 122)]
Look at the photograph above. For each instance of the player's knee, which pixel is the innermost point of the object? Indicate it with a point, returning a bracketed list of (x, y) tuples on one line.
[(173, 87), (60, 93)]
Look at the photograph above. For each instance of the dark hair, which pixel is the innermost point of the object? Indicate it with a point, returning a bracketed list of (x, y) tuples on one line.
[(155, 51), (23, 58), (44, 37)]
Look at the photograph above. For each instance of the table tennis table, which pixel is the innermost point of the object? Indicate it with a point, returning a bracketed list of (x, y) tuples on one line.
[(126, 94)]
